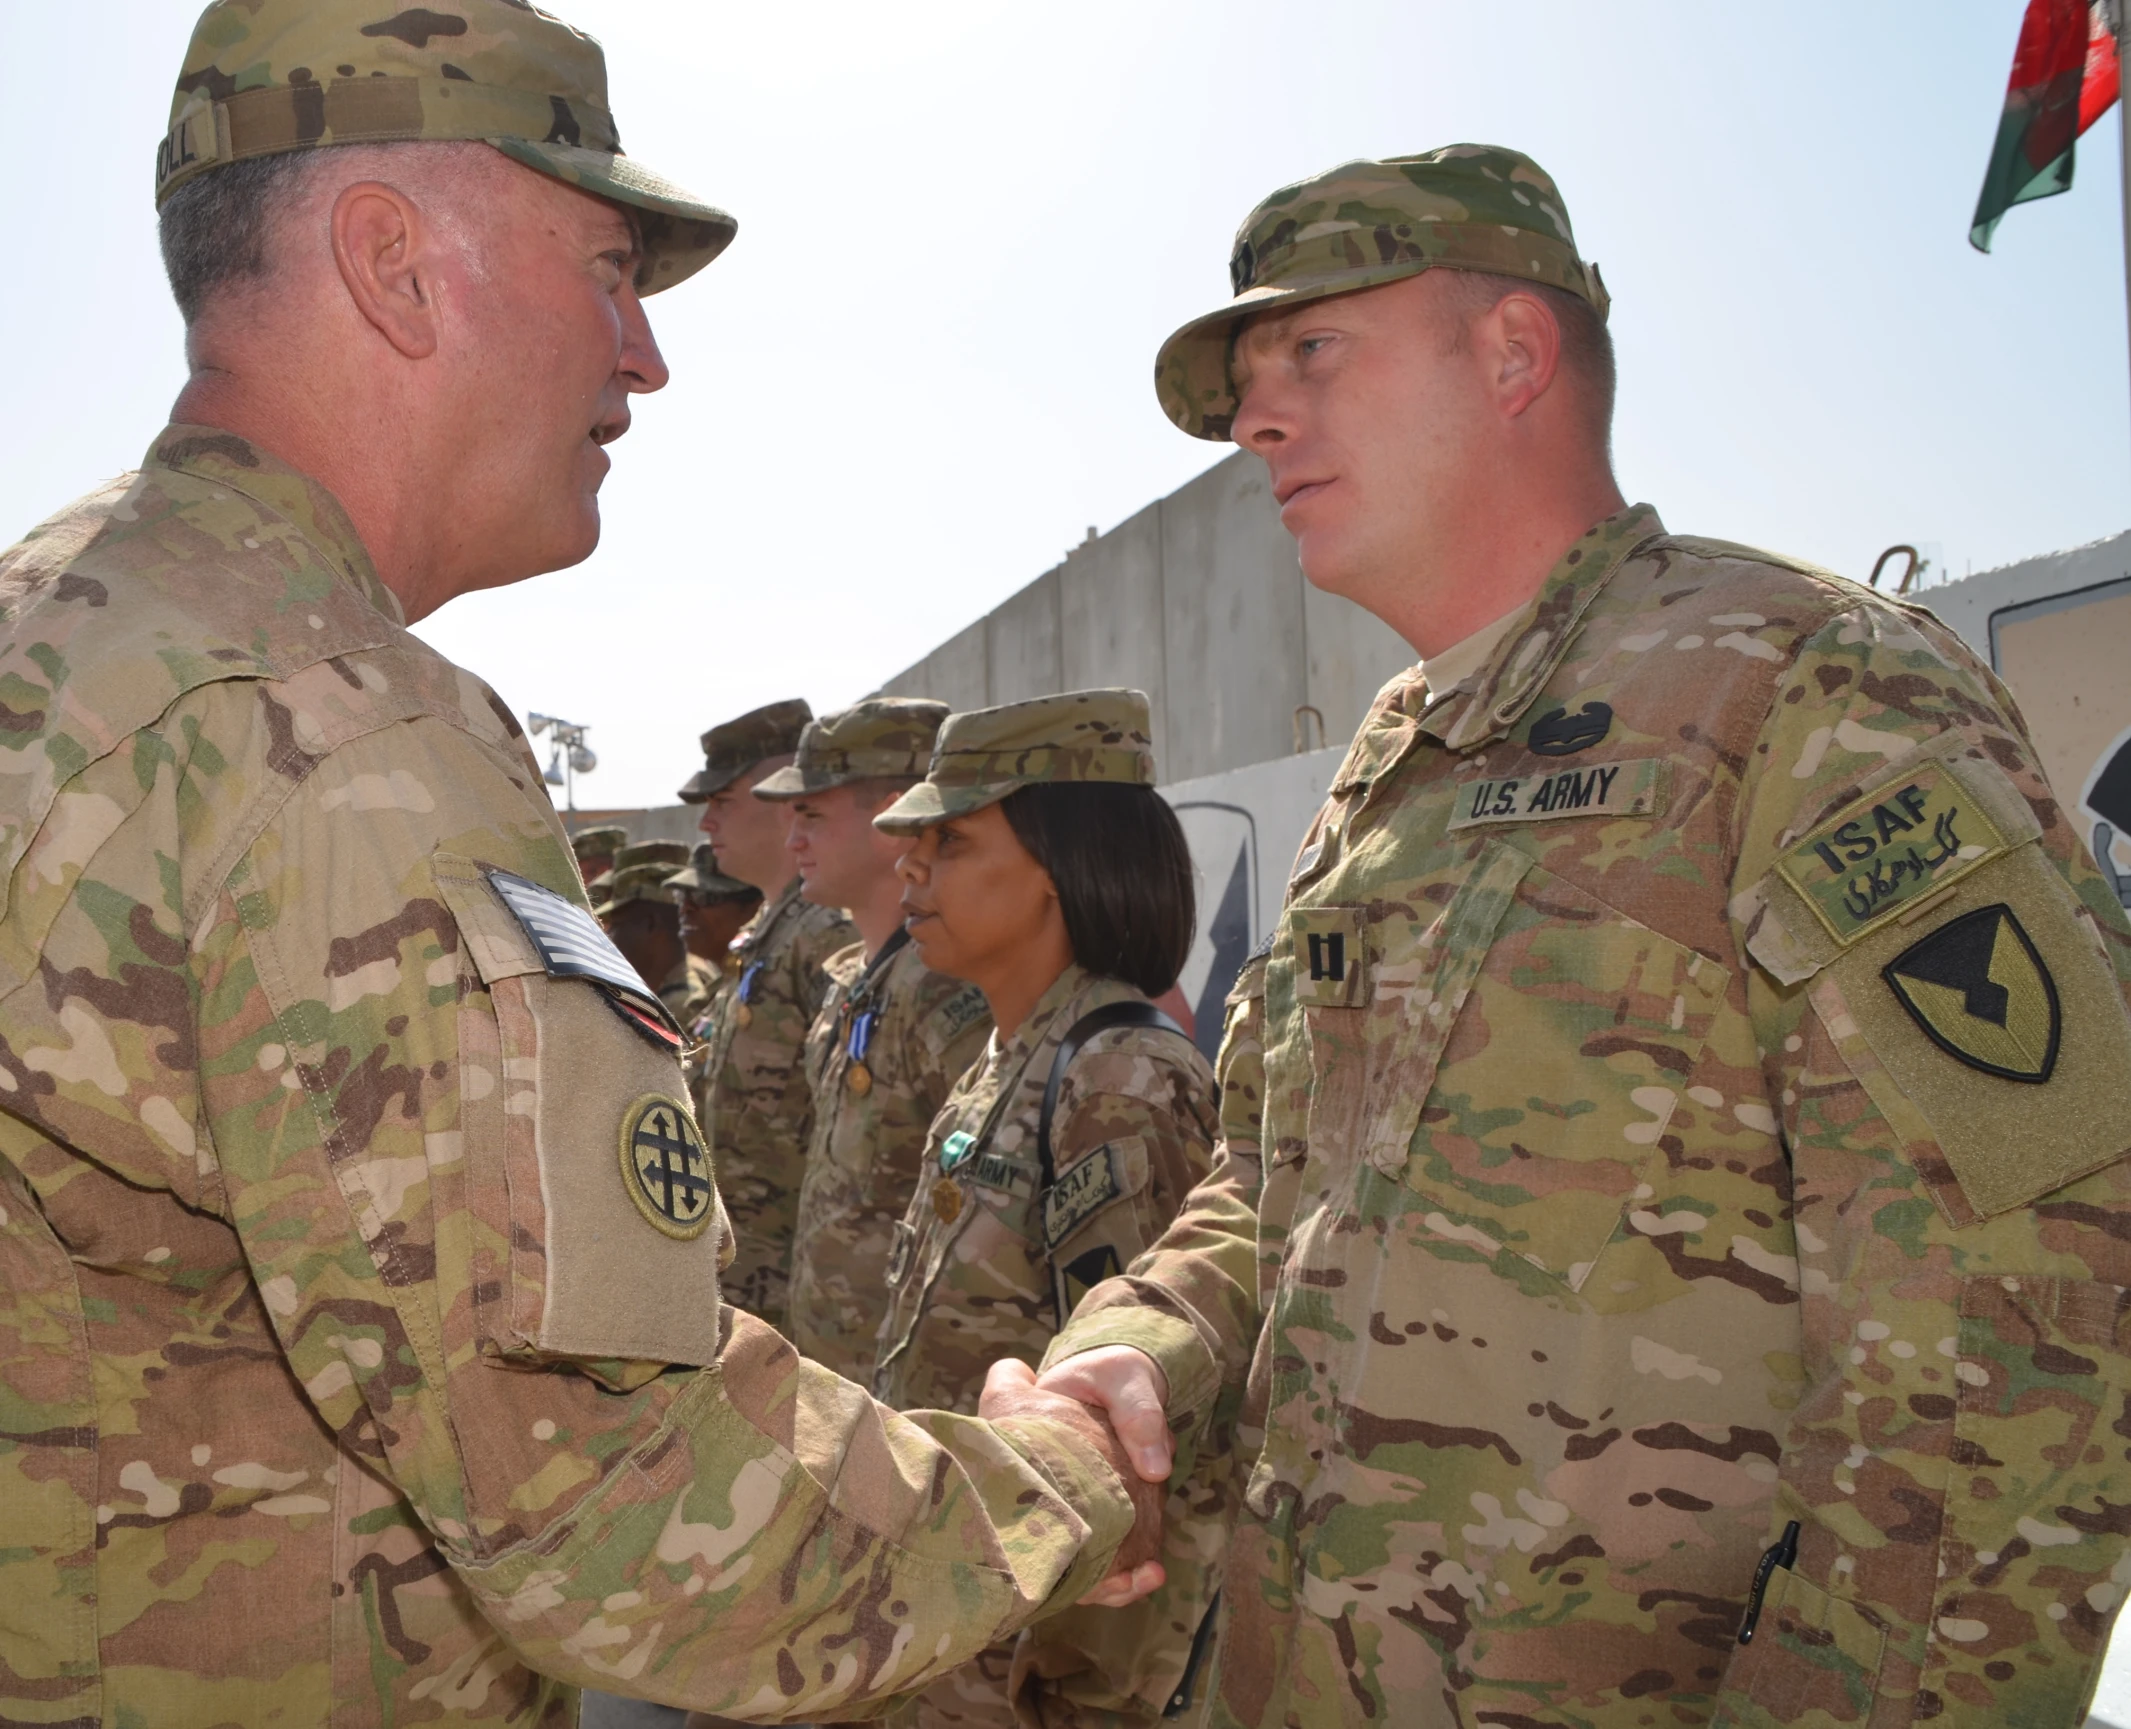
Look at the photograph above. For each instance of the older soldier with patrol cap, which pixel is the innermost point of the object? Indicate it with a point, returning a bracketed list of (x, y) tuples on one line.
[(753, 1099), (360, 1340), (1685, 1277), (890, 1040)]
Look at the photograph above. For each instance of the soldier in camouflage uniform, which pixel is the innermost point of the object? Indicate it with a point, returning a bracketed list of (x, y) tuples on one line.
[(753, 1098), (1000, 1241), (595, 849), (1687, 1280), (891, 1038), (361, 1356), (713, 906), (640, 915), (1101, 1668)]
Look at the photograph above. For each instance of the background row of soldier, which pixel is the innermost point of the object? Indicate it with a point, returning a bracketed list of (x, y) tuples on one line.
[(869, 1132)]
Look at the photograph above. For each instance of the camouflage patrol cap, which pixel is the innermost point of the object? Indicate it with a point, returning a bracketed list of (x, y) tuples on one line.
[(266, 76), (601, 842), (1465, 206), (639, 874), (701, 880), (884, 737), (730, 750), (986, 753), (642, 882)]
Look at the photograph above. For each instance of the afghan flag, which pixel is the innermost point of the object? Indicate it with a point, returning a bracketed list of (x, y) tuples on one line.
[(2065, 76)]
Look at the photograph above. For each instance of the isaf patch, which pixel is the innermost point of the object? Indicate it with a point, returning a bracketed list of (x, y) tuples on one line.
[(1616, 789), (1871, 859), (571, 945), (665, 1166), (1980, 992), (1080, 1193)]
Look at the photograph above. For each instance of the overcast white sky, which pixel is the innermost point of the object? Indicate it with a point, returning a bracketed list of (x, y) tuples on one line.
[(923, 369)]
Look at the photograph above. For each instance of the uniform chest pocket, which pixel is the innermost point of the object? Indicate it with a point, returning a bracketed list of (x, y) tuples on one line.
[(1551, 1092)]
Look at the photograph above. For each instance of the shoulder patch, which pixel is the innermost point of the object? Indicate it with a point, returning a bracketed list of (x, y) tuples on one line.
[(1634, 788), (1083, 1273), (959, 1013), (1105, 1175), (571, 945), (1981, 993), (1876, 855), (665, 1166)]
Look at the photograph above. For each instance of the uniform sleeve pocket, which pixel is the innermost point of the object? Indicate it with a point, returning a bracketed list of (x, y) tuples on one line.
[(1814, 1661), (594, 1223), (1558, 1078)]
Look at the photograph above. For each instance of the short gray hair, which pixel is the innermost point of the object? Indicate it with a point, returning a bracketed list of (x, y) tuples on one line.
[(215, 228)]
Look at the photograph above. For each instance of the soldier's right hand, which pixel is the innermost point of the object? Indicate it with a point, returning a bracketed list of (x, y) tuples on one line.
[(1012, 1390), (1128, 1387)]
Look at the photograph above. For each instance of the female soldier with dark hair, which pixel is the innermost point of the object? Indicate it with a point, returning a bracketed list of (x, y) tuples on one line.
[(1049, 873)]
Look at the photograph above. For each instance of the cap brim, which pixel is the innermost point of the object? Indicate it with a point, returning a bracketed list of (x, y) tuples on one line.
[(926, 804), (1191, 370), (786, 783), (681, 233), (706, 783)]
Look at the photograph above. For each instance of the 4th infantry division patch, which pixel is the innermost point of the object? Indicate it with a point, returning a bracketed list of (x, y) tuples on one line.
[(1982, 995)]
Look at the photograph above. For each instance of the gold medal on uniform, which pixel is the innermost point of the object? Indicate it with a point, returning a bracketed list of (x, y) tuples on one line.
[(859, 1079), (947, 1200), (743, 1016)]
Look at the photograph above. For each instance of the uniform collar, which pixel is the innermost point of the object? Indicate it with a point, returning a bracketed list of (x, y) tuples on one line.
[(759, 929), (224, 459), (1044, 1016), (1487, 705)]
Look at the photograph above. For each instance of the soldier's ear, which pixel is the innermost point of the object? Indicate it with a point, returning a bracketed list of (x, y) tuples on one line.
[(386, 251), (1521, 336)]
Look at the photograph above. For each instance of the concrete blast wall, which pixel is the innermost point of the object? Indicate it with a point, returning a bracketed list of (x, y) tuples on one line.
[(1197, 601)]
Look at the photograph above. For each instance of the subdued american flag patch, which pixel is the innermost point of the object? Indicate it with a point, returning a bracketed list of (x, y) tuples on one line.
[(572, 946)]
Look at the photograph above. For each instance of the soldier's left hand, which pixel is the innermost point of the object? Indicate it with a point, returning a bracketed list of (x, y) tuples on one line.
[(1010, 1390)]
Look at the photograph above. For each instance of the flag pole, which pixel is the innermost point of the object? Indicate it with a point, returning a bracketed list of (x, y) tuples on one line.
[(2119, 13)]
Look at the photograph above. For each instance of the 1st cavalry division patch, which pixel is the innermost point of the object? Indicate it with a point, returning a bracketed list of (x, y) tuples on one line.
[(1982, 995), (665, 1167)]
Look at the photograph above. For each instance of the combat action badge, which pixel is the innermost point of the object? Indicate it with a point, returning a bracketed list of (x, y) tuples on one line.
[(665, 1167), (1982, 995)]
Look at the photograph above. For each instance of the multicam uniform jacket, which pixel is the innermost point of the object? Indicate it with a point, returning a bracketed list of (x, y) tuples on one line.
[(361, 1357), (888, 1045), (1697, 1083), (1153, 1662), (987, 1261), (753, 1096)]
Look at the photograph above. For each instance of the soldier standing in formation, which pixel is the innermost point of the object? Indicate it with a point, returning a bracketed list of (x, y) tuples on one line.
[(1047, 871), (641, 916), (713, 906), (1684, 1277), (595, 849), (359, 1323), (753, 1098), (892, 1037)]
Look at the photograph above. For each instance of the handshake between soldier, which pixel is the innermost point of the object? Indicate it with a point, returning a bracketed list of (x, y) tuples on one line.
[(1655, 1259)]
